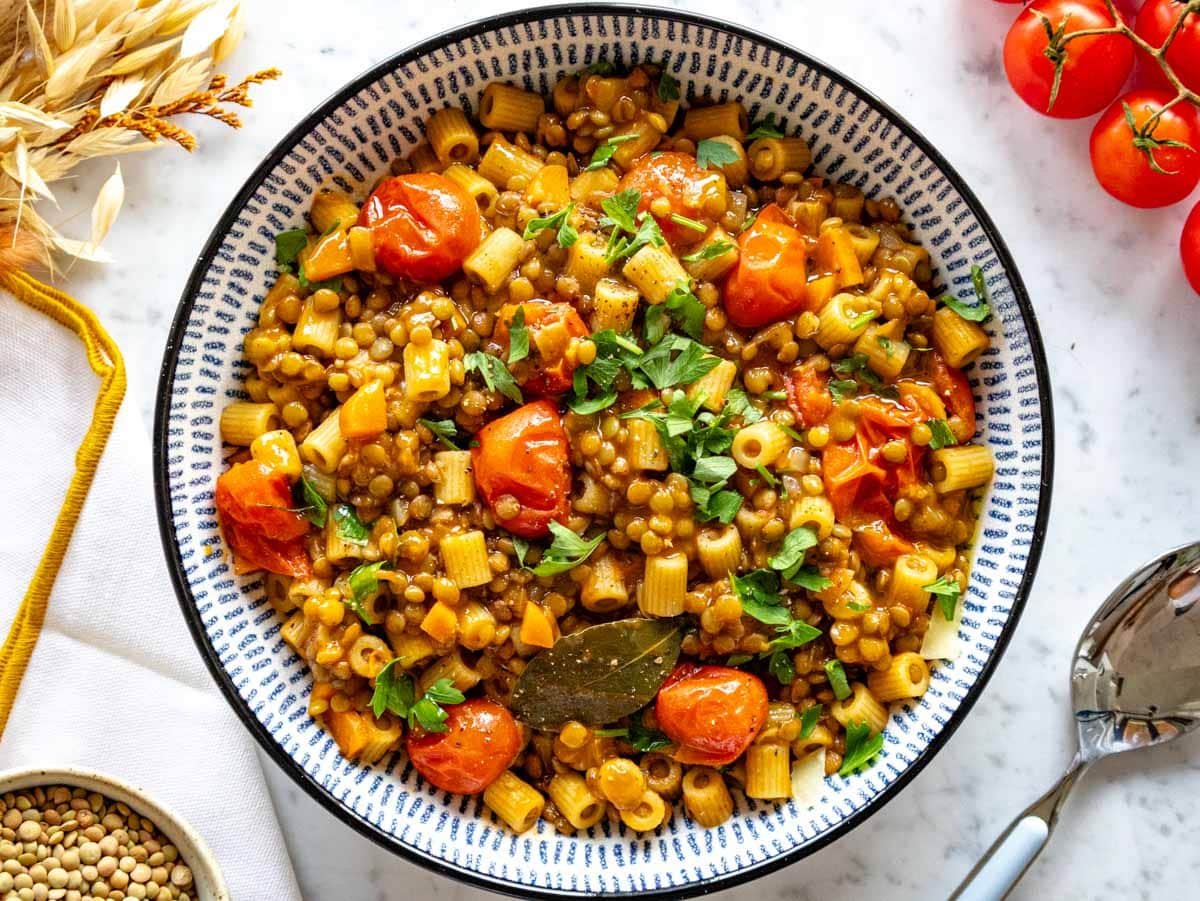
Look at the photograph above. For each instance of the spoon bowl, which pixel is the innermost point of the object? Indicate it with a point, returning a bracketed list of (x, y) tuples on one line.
[(1135, 683)]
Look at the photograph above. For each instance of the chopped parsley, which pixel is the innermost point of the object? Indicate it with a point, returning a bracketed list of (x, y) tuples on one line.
[(765, 475), (795, 634), (643, 738), (767, 128), (863, 318), (364, 582), (309, 502), (620, 210), (694, 224), (861, 747), (686, 310), (288, 245), (599, 67), (397, 694), (676, 361), (605, 151), (445, 430), (791, 553), (840, 389), (518, 337), (758, 592), (495, 374), (947, 592), (709, 252), (521, 549), (349, 527), (567, 551), (885, 345), (737, 403), (567, 235), (942, 436), (631, 230), (809, 719), (614, 354), (978, 311), (837, 679), (781, 667), (711, 152), (668, 87)]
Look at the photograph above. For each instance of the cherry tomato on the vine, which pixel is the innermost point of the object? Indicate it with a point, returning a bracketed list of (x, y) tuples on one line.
[(423, 225), (1155, 21), (712, 713), (1147, 163), (1093, 67), (481, 740), (1189, 246)]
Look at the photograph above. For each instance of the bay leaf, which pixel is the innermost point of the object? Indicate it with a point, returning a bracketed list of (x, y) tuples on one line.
[(599, 674)]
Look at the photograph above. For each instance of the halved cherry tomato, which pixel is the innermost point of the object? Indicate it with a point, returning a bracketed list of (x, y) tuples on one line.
[(1094, 69), (549, 368), (712, 713), (1155, 21), (423, 225), (254, 505), (769, 282), (808, 395), (1189, 247), (1127, 171), (524, 455), (955, 392), (692, 192), (481, 740)]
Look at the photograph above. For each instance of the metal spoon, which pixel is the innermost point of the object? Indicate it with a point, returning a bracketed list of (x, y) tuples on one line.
[(1135, 683)]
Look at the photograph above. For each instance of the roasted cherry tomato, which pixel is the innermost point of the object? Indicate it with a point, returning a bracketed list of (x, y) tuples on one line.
[(1094, 67), (1155, 21), (254, 503), (1189, 246), (769, 282), (1148, 164), (423, 225), (712, 713), (808, 395), (689, 191), (481, 740), (952, 387), (522, 464), (552, 327)]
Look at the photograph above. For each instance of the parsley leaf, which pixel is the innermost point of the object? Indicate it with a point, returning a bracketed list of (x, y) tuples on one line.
[(837, 679), (621, 246), (861, 746), (810, 578), (364, 582), (710, 152), (714, 502), (795, 634), (520, 548), (349, 527), (567, 235), (765, 475), (668, 87), (665, 371), (947, 592), (758, 592), (600, 67), (643, 738), (605, 151), (309, 502), (518, 337), (443, 692), (709, 252), (738, 659), (393, 692), (495, 374), (621, 209), (714, 469), (737, 403), (685, 308), (808, 720), (978, 311), (840, 389), (942, 436), (396, 694), (567, 551), (781, 667), (614, 353), (445, 430), (767, 128), (288, 245), (791, 553)]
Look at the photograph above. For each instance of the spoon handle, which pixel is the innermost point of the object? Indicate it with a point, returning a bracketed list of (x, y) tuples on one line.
[(1006, 861)]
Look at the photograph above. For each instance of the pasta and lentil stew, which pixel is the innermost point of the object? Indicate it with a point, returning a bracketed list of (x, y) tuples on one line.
[(603, 458)]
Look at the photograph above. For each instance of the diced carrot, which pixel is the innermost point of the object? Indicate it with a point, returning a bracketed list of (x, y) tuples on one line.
[(349, 730), (820, 291), (549, 184), (329, 257), (537, 629), (835, 254), (364, 415), (440, 623)]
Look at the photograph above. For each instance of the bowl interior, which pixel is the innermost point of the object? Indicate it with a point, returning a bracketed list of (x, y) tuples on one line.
[(349, 142), (210, 885)]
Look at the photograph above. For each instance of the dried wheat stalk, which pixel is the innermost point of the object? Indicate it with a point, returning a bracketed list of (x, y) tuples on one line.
[(89, 78)]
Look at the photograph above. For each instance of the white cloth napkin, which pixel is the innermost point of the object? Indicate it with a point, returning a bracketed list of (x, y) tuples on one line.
[(115, 683)]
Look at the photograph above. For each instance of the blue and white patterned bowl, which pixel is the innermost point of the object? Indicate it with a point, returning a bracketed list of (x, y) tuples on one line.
[(350, 140)]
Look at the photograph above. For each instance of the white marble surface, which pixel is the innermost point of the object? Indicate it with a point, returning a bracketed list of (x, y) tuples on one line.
[(1121, 330)]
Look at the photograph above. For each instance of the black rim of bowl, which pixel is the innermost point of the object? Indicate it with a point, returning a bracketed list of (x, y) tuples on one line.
[(163, 493)]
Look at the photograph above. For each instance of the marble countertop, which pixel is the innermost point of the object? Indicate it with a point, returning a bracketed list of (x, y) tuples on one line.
[(1121, 329)]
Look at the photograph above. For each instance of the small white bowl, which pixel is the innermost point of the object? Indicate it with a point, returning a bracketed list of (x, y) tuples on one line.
[(209, 884)]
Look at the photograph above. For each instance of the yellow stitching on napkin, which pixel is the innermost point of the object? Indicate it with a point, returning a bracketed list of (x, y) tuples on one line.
[(105, 360)]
